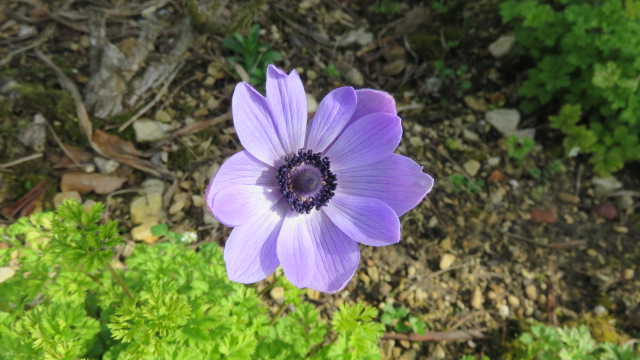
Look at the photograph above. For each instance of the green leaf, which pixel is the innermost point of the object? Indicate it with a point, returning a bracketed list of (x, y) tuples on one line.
[(160, 230)]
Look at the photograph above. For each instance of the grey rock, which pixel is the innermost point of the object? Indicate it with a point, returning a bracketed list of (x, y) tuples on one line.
[(470, 135), (504, 120), (605, 185), (355, 77), (502, 46), (471, 167), (106, 166), (149, 130), (34, 135)]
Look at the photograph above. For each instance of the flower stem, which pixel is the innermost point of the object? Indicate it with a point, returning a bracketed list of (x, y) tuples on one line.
[(278, 313), (119, 281), (266, 288)]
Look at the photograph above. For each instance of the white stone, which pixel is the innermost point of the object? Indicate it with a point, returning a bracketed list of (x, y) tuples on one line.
[(143, 232), (446, 261), (477, 299), (471, 167), (62, 196), (148, 208), (493, 161), (277, 293), (355, 77), (504, 120), (497, 196), (106, 166), (600, 310), (470, 135), (163, 116), (150, 130), (605, 185), (503, 311), (502, 46)]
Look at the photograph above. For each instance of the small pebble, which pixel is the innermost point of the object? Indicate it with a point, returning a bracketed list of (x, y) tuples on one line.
[(503, 311), (477, 299), (277, 293), (599, 310), (513, 301), (531, 291), (60, 197), (446, 260), (471, 167)]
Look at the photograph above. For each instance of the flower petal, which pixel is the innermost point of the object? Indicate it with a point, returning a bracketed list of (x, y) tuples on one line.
[(314, 253), (373, 101), (240, 169), (367, 140), (250, 252), (254, 124), (366, 220), (288, 103), (241, 204), (332, 116), (396, 180)]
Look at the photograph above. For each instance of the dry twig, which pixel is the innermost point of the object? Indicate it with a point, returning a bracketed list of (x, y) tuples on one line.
[(44, 36), (457, 335), (20, 161), (155, 99)]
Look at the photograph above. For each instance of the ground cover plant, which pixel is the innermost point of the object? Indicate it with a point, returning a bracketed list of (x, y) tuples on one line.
[(520, 245), (587, 66), (66, 301)]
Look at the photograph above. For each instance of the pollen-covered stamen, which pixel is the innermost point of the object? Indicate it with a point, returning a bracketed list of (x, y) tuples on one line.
[(306, 181)]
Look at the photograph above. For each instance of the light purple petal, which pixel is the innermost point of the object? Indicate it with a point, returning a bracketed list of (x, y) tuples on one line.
[(242, 204), (250, 252), (367, 140), (239, 169), (288, 104), (396, 180), (366, 220), (373, 101), (254, 124), (314, 253), (334, 112)]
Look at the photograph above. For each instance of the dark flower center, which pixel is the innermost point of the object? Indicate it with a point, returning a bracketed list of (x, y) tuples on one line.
[(306, 181)]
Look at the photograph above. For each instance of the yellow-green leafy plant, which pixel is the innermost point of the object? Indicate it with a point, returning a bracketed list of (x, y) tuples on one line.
[(66, 300)]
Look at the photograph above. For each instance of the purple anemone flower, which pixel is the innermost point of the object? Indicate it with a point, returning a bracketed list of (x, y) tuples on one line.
[(303, 196)]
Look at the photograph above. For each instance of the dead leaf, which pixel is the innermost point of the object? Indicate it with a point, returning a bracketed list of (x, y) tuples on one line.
[(543, 216), (496, 175), (63, 161), (25, 205), (85, 183), (413, 20), (113, 145)]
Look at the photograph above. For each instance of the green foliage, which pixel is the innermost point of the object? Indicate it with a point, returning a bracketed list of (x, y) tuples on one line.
[(519, 147), (442, 6), (401, 321), (386, 7), (66, 301), (251, 54), (332, 71), (462, 183), (459, 76), (163, 230), (544, 342), (588, 58), (357, 332)]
